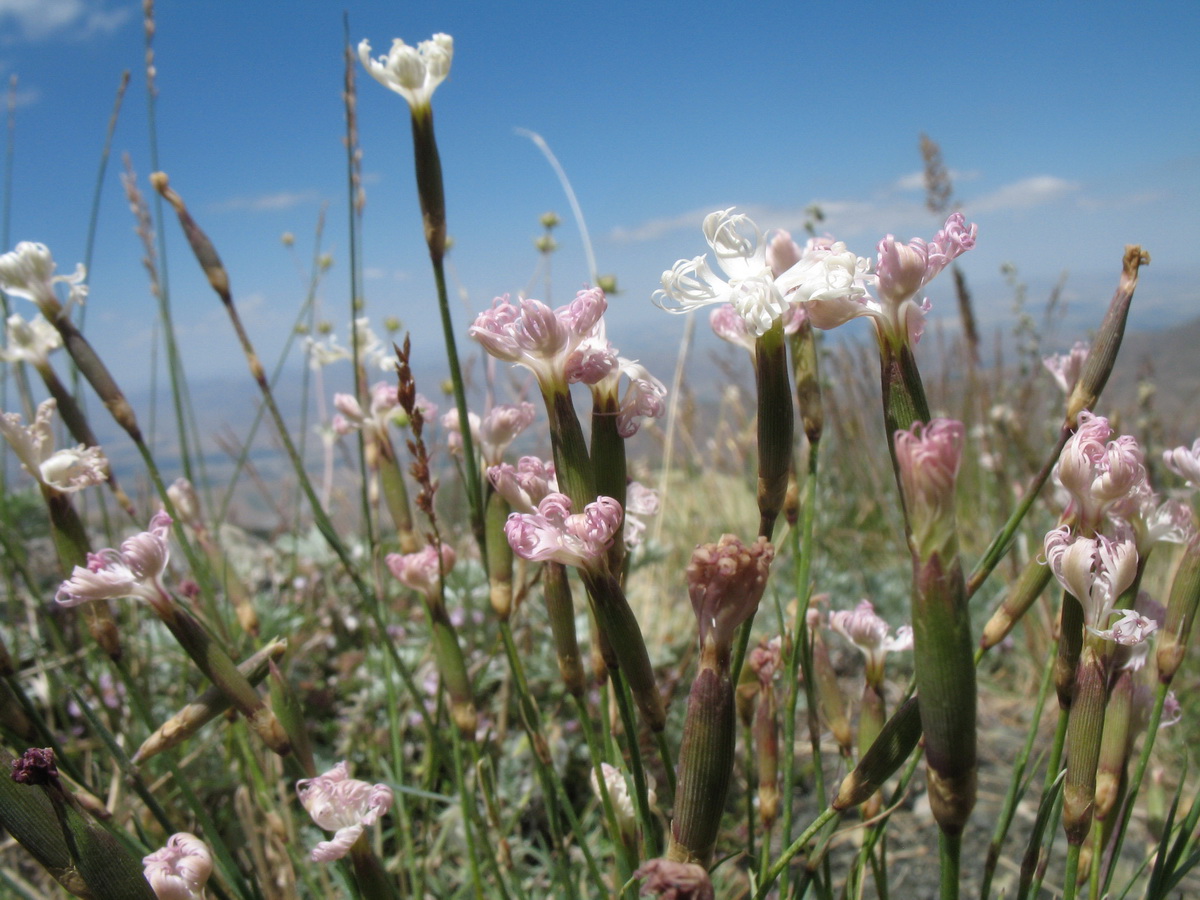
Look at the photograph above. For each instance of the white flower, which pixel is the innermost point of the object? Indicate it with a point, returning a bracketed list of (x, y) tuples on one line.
[(831, 283), (133, 571), (66, 470), (344, 805), (748, 285), (28, 271), (1066, 367), (30, 342), (1132, 628), (618, 794), (1096, 571), (412, 72)]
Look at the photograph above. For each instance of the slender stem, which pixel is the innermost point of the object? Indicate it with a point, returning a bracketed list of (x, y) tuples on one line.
[(1015, 782), (650, 839), (1071, 875), (950, 853), (468, 812), (780, 864)]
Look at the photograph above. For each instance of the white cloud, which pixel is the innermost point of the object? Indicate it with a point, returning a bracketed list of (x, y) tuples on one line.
[(78, 19), (1024, 194), (268, 202), (915, 181)]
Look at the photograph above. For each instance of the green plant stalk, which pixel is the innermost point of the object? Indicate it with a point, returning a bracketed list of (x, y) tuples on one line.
[(799, 658), (641, 795), (215, 663), (560, 610), (945, 679), (950, 856), (431, 194), (608, 464), (1071, 873), (395, 494), (543, 763), (1017, 601), (1070, 645), (373, 882), (210, 704), (624, 635), (468, 813), (1015, 784), (775, 427), (500, 556), (1135, 782), (572, 462), (625, 860), (1182, 603), (705, 760), (829, 814)]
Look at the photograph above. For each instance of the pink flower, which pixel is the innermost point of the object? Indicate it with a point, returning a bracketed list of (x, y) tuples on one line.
[(342, 804), (554, 534), (765, 659), (725, 583), (1132, 628), (553, 344), (384, 407), (424, 570), (782, 252), (729, 326), (1096, 571), (1097, 472), (133, 571), (1066, 367), (179, 870), (869, 633), (67, 470), (526, 485), (1185, 462), (501, 426), (928, 457), (643, 399)]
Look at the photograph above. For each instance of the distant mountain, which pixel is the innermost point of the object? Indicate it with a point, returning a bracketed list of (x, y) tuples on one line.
[(1169, 360)]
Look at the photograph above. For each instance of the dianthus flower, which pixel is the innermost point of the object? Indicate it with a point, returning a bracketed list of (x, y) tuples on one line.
[(639, 501), (557, 345), (749, 284), (1098, 472), (525, 485), (424, 570), (180, 869), (729, 326), (1096, 571), (555, 534), (863, 627), (1066, 367), (31, 342), (412, 72), (644, 396), (28, 271), (494, 433), (344, 805), (928, 457), (725, 584), (1185, 462), (66, 470), (133, 571)]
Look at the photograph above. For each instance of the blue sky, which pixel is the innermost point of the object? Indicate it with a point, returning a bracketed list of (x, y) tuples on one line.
[(1070, 129)]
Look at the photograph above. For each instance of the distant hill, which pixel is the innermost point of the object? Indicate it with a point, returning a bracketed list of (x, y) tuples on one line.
[(1170, 359)]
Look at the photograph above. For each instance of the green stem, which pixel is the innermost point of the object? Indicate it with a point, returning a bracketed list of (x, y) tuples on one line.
[(1071, 875), (950, 854), (650, 838), (781, 863)]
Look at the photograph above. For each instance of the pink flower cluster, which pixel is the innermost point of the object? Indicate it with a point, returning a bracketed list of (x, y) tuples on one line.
[(554, 534), (494, 433), (561, 346)]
